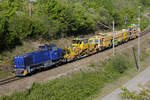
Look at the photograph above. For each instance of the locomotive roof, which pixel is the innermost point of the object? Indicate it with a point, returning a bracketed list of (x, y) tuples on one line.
[(35, 52)]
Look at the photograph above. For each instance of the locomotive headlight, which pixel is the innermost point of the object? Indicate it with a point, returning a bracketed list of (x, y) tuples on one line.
[(55, 53)]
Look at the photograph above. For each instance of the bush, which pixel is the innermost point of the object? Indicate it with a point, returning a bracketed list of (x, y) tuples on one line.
[(20, 25), (144, 23), (8, 39), (143, 94), (120, 63)]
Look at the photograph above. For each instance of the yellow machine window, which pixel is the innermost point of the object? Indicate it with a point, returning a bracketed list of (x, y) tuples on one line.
[(76, 42), (90, 41), (96, 41)]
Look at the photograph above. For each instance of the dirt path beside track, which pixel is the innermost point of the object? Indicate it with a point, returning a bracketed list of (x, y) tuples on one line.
[(63, 70)]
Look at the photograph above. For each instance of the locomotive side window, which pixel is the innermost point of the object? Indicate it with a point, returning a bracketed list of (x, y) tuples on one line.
[(54, 48), (49, 48)]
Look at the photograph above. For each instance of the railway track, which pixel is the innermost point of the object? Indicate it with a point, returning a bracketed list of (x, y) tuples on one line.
[(145, 31), (12, 79), (9, 80)]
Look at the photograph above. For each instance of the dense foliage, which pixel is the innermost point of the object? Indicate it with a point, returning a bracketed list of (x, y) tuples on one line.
[(144, 94), (77, 87), (47, 19)]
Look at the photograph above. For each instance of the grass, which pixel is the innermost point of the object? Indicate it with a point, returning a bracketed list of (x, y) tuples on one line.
[(80, 86), (4, 74)]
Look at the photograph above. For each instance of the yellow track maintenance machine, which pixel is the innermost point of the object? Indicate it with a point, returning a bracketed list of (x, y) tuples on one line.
[(96, 41), (101, 41), (105, 40), (133, 31), (80, 48)]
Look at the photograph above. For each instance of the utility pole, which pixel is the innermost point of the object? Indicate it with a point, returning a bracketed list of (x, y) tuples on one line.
[(126, 21), (30, 9), (139, 19), (113, 38)]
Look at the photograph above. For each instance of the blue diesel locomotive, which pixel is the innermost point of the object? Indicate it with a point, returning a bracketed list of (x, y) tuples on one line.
[(47, 56)]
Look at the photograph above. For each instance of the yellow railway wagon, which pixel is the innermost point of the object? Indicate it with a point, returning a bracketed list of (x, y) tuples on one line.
[(106, 40), (84, 45), (71, 53), (125, 35), (80, 47), (101, 41), (97, 42), (133, 31), (121, 36)]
